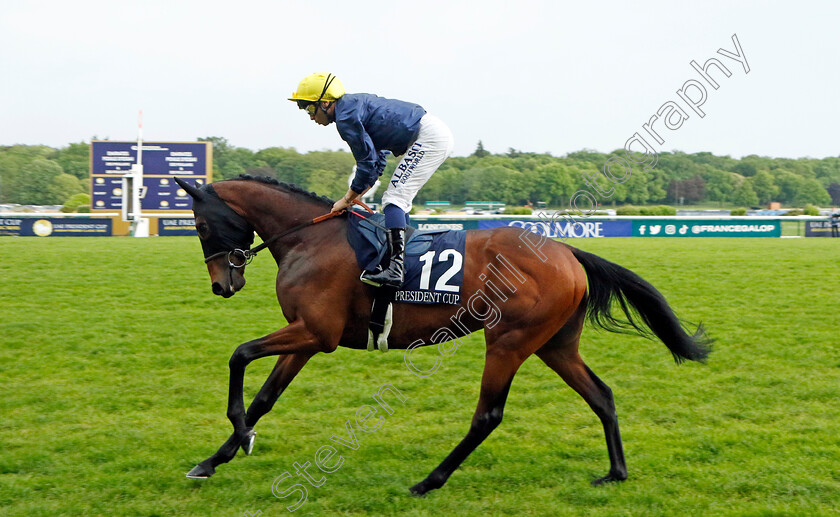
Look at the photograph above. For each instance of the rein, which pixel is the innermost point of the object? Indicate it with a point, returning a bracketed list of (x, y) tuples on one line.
[(248, 255)]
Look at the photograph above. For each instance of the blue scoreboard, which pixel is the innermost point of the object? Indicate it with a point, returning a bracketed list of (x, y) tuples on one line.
[(162, 161)]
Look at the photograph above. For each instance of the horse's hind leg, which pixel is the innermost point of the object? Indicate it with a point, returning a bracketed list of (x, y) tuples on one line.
[(565, 360), (499, 369)]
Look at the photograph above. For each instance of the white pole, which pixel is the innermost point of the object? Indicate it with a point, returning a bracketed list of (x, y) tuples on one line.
[(141, 226)]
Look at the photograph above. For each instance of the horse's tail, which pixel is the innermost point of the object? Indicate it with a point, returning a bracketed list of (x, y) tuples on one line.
[(638, 299)]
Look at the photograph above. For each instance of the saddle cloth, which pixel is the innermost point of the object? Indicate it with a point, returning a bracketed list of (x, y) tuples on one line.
[(434, 259)]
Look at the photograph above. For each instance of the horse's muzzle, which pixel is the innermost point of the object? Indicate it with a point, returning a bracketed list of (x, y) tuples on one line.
[(226, 290), (219, 290), (225, 280)]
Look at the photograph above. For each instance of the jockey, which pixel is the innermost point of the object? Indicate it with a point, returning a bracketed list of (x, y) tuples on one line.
[(372, 126)]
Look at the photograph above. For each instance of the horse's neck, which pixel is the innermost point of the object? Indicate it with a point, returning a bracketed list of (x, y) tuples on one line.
[(273, 211)]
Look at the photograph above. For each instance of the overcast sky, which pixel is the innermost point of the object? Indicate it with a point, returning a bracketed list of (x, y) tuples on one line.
[(536, 76)]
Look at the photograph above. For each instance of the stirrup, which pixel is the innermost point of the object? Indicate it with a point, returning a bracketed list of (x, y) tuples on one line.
[(374, 283), (367, 281)]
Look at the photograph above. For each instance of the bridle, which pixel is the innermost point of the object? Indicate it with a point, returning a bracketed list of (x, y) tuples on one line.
[(248, 255)]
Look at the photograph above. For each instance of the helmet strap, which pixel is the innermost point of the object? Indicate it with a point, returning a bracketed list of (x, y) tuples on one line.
[(327, 83)]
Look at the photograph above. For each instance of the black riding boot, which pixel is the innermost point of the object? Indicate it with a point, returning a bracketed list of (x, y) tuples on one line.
[(394, 274)]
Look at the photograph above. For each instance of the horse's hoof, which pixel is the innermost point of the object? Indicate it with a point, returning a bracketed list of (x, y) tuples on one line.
[(424, 487), (420, 489), (201, 472), (609, 478), (248, 442)]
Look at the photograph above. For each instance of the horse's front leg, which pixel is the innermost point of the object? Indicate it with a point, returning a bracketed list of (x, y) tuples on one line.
[(293, 339), (286, 369)]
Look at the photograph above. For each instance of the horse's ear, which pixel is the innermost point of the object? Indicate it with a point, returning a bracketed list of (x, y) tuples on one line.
[(191, 190)]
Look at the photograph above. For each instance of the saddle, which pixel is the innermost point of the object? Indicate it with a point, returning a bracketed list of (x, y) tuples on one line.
[(434, 261)]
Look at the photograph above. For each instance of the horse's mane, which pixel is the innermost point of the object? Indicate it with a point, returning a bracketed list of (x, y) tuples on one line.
[(287, 187)]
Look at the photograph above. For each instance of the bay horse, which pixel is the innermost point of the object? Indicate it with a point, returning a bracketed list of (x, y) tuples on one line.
[(546, 292)]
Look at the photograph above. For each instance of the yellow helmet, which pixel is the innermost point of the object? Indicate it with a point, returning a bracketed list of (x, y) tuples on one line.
[(318, 87)]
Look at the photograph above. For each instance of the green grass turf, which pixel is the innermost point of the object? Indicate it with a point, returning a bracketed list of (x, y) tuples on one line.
[(113, 369)]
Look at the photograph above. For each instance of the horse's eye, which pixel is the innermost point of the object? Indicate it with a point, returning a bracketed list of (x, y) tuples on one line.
[(202, 229)]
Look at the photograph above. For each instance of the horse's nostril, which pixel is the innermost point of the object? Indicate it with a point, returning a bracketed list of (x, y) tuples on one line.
[(217, 289)]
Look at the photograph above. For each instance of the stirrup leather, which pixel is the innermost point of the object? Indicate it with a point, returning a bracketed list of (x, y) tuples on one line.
[(379, 341)]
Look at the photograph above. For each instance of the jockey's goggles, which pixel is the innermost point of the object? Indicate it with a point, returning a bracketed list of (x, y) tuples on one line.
[(310, 107)]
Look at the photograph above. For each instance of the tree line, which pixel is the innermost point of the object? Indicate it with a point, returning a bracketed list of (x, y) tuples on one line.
[(45, 175)]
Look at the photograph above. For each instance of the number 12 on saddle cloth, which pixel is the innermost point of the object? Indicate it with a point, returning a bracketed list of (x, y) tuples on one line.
[(434, 259)]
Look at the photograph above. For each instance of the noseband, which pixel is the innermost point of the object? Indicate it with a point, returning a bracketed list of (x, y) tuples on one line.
[(247, 257)]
